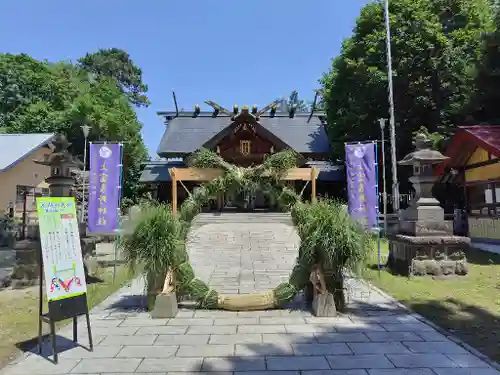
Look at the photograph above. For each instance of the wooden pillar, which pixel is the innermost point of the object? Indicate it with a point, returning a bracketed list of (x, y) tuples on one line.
[(313, 185), (174, 191)]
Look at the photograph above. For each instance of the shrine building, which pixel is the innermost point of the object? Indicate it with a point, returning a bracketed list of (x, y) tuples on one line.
[(243, 137)]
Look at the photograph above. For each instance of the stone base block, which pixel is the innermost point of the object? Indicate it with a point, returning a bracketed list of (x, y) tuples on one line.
[(165, 306), (428, 255), (324, 305)]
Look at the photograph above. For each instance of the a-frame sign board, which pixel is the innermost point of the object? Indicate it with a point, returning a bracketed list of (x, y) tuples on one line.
[(62, 267)]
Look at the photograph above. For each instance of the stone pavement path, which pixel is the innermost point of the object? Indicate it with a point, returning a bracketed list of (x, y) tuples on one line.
[(243, 253), (376, 337)]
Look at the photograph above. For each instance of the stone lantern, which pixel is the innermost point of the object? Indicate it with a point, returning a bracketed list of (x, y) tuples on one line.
[(61, 162), (424, 243)]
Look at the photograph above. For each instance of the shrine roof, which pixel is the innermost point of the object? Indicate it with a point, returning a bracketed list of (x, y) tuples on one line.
[(185, 133), (466, 140), (16, 147)]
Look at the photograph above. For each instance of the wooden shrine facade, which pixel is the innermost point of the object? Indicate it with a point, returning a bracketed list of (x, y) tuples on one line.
[(473, 170), (242, 138)]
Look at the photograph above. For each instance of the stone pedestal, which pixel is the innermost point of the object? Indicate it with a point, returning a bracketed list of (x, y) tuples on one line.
[(27, 268), (324, 305), (165, 306), (428, 255), (424, 243)]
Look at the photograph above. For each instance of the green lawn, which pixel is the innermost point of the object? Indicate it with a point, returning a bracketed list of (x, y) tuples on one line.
[(469, 306), (19, 310)]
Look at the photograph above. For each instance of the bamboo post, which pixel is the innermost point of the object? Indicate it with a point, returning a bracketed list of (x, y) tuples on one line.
[(174, 191), (313, 185)]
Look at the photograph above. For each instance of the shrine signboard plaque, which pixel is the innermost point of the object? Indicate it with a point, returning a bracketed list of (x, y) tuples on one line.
[(61, 265)]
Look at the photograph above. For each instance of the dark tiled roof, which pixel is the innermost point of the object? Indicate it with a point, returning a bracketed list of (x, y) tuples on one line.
[(159, 171), (185, 134)]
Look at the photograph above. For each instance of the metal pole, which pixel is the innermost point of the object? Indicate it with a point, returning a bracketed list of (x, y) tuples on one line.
[(395, 185), (82, 211), (85, 130), (382, 122)]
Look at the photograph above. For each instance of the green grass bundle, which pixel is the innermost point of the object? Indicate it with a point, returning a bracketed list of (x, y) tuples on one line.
[(152, 240), (284, 293)]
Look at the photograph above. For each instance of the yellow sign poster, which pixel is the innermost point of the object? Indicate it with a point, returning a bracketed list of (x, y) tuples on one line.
[(61, 251)]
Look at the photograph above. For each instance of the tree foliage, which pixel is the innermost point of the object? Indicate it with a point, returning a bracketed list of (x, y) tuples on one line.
[(435, 47), (117, 64), (42, 97)]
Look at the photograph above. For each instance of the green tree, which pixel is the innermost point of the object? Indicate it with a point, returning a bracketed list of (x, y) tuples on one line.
[(117, 64), (434, 46), (39, 97), (483, 107)]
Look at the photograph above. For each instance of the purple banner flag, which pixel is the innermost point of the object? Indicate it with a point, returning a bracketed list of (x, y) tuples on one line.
[(104, 187), (361, 170)]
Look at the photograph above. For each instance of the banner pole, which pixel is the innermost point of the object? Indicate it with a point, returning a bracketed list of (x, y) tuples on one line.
[(118, 220), (377, 207)]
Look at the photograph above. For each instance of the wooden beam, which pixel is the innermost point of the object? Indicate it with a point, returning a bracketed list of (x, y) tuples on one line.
[(314, 176), (174, 190), (208, 174)]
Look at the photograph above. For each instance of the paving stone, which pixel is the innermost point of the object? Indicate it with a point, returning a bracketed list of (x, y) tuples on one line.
[(215, 314), (435, 347), (341, 337), (142, 322), (181, 339), (98, 352), (154, 365), (393, 336), (431, 336), (466, 371), (318, 320), (216, 330), (146, 351), (262, 329), (34, 365), (407, 327), (197, 373), (108, 331), (235, 321), (289, 338), (248, 338), (370, 361), (265, 349), (205, 351), (234, 364), (402, 371), (190, 322), (360, 327), (108, 365), (302, 328), (162, 330), (281, 320), (335, 372), (321, 349), (467, 360), (129, 340), (267, 373), (378, 348), (421, 360), (297, 363)]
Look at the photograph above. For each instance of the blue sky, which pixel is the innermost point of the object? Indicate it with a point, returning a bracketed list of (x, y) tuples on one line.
[(232, 52)]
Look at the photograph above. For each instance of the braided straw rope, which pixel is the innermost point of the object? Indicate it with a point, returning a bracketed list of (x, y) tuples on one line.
[(248, 302)]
